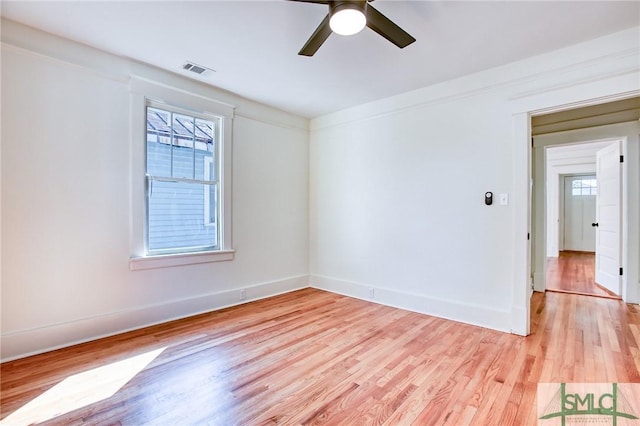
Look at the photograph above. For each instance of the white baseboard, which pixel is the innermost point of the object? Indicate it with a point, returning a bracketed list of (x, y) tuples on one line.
[(24, 343), (456, 311), (43, 339)]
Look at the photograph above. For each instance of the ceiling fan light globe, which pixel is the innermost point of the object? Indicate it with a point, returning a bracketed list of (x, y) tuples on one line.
[(347, 21)]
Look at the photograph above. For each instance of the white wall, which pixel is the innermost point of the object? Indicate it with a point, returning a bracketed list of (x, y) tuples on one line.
[(66, 200), (397, 185)]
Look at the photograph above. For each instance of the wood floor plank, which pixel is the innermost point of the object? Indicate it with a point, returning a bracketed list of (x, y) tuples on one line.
[(312, 357)]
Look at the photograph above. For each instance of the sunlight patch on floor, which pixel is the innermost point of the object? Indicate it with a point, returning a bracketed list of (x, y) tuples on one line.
[(81, 390)]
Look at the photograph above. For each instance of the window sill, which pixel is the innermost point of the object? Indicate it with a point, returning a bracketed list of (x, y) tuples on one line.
[(179, 259)]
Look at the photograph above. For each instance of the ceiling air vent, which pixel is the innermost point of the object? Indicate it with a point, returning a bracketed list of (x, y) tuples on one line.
[(195, 68)]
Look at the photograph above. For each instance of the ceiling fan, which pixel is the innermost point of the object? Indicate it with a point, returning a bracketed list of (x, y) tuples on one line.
[(348, 17)]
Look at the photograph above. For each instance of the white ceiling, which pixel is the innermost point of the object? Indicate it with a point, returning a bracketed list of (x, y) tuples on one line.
[(253, 45)]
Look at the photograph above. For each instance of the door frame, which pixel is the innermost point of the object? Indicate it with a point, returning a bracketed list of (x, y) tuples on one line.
[(523, 207), (567, 159), (575, 159), (562, 202), (539, 214)]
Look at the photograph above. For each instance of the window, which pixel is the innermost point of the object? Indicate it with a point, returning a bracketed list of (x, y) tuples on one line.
[(181, 177), (182, 182), (581, 187)]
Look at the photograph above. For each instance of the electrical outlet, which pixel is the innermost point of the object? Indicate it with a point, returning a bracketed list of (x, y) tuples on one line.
[(372, 293), (243, 294)]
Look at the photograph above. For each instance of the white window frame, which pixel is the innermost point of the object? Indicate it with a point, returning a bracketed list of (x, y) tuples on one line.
[(143, 92)]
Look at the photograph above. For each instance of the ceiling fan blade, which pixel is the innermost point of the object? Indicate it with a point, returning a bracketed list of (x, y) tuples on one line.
[(317, 38), (387, 29)]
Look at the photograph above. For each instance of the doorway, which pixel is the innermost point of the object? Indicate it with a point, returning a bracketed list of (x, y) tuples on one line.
[(572, 124), (562, 160), (572, 238), (578, 213)]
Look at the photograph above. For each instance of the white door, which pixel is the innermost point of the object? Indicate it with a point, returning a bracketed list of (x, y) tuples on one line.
[(608, 171), (579, 213)]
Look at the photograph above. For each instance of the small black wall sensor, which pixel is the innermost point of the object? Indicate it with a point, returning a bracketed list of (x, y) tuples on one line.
[(488, 198)]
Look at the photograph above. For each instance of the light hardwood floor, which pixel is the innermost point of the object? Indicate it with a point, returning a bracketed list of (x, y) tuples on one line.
[(574, 272), (312, 357)]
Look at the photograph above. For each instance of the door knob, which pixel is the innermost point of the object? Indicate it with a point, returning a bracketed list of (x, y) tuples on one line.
[(594, 224)]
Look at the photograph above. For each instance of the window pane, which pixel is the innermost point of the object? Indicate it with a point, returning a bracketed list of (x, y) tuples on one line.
[(575, 191), (209, 169), (176, 216), (182, 215), (158, 142), (210, 205), (586, 191), (183, 155), (204, 150)]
